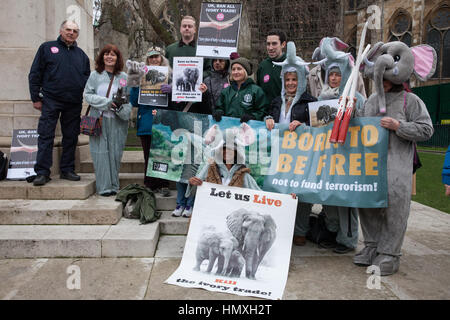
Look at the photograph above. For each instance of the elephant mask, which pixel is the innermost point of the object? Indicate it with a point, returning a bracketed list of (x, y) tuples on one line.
[(396, 62), (255, 233), (330, 54)]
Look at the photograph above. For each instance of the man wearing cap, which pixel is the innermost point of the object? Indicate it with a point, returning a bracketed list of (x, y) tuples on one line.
[(57, 78), (268, 74), (243, 98)]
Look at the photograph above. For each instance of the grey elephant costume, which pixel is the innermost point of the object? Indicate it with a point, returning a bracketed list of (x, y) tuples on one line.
[(255, 233), (212, 246), (384, 228)]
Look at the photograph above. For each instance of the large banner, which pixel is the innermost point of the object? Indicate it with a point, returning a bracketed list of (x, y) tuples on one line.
[(301, 162), (23, 154), (222, 255), (218, 32), (352, 175)]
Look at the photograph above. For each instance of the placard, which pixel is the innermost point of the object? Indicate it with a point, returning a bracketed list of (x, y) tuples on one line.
[(218, 32), (187, 77), (23, 154)]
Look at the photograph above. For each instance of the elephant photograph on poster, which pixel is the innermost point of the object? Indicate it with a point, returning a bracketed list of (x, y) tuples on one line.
[(243, 246)]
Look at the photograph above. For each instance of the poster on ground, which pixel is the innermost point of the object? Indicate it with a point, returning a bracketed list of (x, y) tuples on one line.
[(221, 256), (23, 154), (218, 32), (150, 90), (187, 77)]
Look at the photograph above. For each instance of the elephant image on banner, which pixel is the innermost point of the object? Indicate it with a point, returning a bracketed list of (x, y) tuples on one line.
[(216, 246), (255, 233)]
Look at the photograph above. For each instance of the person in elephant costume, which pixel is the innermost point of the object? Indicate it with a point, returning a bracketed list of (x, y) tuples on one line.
[(406, 117), (339, 220)]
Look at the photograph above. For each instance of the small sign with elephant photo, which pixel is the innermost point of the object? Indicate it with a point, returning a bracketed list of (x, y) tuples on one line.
[(150, 90), (187, 77), (242, 246), (322, 112)]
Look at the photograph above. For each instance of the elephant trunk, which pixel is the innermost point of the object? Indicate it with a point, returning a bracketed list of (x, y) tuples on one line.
[(383, 63), (226, 262), (250, 253)]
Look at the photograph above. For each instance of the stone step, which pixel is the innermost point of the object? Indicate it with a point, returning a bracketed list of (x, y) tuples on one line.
[(132, 162), (173, 225), (126, 239), (56, 189), (95, 210)]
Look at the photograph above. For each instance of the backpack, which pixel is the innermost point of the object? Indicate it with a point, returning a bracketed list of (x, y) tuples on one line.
[(3, 165), (317, 229)]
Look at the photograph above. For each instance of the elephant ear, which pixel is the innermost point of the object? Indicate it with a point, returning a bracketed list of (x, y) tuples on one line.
[(270, 228), (424, 61), (369, 61), (234, 223)]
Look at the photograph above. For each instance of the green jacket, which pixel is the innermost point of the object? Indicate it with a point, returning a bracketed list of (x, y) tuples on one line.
[(180, 49), (249, 99), (145, 202), (268, 77)]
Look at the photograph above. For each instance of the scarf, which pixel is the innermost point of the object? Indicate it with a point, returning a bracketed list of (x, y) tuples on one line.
[(329, 93)]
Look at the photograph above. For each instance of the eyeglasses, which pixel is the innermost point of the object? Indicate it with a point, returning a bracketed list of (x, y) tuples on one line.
[(71, 30)]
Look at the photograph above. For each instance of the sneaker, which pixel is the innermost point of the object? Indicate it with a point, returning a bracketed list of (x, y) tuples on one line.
[(327, 244), (165, 192), (187, 212), (178, 211)]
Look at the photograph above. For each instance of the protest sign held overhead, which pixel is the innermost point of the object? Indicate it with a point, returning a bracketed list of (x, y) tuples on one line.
[(218, 31), (220, 255), (187, 77), (150, 90)]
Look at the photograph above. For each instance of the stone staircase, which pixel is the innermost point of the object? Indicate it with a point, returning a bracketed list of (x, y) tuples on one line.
[(67, 219)]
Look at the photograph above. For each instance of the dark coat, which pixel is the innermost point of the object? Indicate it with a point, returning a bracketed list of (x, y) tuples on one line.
[(60, 72), (300, 110)]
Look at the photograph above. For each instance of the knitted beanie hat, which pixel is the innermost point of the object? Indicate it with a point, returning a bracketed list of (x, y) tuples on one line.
[(245, 63)]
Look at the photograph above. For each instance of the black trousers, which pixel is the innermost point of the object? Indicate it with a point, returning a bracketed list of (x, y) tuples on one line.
[(69, 115)]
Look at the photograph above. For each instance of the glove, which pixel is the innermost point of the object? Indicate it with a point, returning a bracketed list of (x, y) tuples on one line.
[(245, 117), (217, 115), (135, 72), (166, 88)]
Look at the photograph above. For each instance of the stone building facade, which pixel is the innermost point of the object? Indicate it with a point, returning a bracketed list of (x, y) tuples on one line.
[(411, 21)]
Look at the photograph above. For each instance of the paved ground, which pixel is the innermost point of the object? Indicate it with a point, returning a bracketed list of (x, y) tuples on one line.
[(314, 273)]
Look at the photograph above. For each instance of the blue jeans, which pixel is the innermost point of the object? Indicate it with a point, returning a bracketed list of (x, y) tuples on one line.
[(181, 199)]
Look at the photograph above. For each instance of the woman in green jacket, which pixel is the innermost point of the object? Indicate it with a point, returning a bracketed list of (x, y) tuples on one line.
[(243, 98)]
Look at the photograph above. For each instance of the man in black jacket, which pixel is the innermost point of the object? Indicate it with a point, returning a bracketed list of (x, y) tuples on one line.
[(57, 78)]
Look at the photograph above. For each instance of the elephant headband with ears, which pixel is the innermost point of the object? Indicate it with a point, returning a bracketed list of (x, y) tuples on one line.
[(235, 138), (330, 53), (293, 63), (396, 62)]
